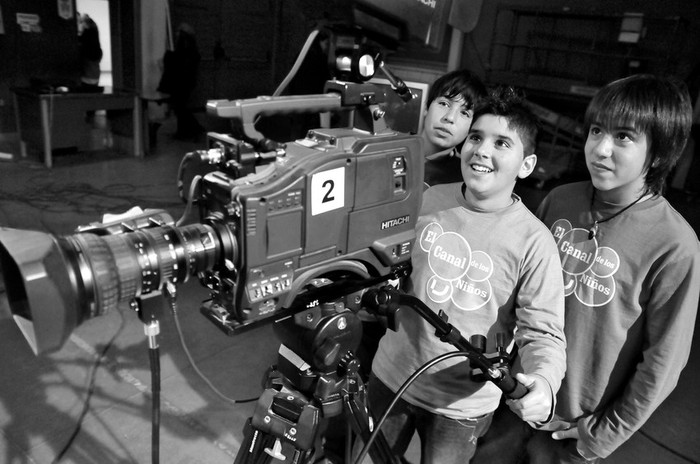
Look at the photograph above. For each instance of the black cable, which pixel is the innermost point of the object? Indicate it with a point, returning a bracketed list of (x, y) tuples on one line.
[(399, 393), (173, 308), (91, 390), (181, 174), (189, 200)]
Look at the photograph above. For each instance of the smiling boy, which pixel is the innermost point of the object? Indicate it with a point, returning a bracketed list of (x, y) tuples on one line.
[(491, 266)]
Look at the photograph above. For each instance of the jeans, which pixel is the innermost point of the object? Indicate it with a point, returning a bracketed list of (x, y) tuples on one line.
[(443, 440), (511, 441)]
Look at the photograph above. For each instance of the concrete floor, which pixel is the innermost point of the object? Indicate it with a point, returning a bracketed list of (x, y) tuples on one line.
[(42, 397)]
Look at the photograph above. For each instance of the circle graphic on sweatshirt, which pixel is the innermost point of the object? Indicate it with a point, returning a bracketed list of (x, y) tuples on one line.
[(577, 251), (589, 269), (439, 290), (593, 290), (480, 267), (458, 273), (429, 234), (449, 256), (469, 295), (607, 262)]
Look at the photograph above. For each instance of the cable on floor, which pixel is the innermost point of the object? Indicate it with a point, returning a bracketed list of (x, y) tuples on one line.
[(171, 295), (90, 391)]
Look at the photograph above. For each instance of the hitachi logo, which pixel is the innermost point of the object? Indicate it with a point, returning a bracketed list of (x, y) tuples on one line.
[(399, 221)]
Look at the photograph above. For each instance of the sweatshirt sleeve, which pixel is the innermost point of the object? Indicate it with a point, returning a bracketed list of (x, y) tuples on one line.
[(669, 325), (540, 314)]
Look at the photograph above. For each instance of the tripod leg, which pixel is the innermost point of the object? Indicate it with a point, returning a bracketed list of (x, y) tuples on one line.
[(359, 418), (251, 450), (259, 447)]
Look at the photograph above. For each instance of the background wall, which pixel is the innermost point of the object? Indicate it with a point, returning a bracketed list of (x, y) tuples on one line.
[(248, 46), (671, 35)]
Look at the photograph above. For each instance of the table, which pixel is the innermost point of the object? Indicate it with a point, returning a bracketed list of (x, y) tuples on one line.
[(58, 119)]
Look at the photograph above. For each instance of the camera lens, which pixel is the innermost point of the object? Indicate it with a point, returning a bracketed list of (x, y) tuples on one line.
[(55, 283), (119, 267)]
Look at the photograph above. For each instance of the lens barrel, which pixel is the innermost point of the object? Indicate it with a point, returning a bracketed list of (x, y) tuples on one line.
[(55, 283)]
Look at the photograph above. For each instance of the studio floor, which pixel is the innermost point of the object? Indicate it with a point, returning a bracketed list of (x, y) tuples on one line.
[(42, 397)]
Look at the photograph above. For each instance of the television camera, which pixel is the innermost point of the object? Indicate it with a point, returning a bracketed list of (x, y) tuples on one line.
[(324, 217), (340, 202), (296, 233)]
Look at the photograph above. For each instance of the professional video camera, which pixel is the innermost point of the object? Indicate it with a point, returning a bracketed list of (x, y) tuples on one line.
[(303, 233), (340, 203), (291, 232)]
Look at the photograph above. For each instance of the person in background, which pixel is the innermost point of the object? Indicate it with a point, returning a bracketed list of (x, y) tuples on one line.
[(485, 260), (180, 69), (90, 54), (446, 121)]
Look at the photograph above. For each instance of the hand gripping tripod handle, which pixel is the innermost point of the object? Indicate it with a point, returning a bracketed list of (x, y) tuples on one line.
[(386, 301)]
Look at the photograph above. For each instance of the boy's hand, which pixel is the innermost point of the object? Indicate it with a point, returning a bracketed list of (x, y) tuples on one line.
[(573, 433), (536, 405)]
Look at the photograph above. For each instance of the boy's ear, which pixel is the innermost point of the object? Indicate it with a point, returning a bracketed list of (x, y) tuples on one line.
[(527, 166)]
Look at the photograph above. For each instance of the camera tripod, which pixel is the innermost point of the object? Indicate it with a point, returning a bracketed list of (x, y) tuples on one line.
[(301, 403), (317, 380)]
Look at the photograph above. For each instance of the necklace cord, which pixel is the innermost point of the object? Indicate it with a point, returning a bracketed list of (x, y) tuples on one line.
[(593, 231)]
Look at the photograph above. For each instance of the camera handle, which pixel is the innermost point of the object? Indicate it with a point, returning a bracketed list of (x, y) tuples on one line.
[(339, 94), (386, 301)]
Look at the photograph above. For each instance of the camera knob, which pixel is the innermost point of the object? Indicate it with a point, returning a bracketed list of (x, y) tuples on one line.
[(326, 354), (348, 365)]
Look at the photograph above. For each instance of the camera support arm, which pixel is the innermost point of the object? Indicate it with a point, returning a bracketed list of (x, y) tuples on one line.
[(387, 300)]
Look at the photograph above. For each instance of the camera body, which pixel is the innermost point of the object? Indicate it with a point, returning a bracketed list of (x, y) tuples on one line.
[(338, 205), (334, 200)]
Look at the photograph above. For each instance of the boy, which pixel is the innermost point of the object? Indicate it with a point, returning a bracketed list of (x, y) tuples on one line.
[(446, 120), (486, 261), (631, 269)]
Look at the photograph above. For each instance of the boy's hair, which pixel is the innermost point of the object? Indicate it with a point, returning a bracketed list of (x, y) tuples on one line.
[(660, 107), (509, 103), (458, 83)]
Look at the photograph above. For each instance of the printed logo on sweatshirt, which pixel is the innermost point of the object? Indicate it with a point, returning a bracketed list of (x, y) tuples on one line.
[(460, 274), (588, 267)]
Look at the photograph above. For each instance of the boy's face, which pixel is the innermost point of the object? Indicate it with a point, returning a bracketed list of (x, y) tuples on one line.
[(446, 123), (617, 159), (492, 160)]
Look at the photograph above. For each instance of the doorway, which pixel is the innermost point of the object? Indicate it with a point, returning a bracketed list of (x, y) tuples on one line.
[(98, 10)]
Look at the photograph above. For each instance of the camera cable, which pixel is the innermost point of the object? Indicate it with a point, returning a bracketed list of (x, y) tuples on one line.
[(399, 394), (297, 64), (171, 294)]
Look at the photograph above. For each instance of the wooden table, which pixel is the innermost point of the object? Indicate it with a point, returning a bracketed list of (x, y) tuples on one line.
[(58, 120)]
